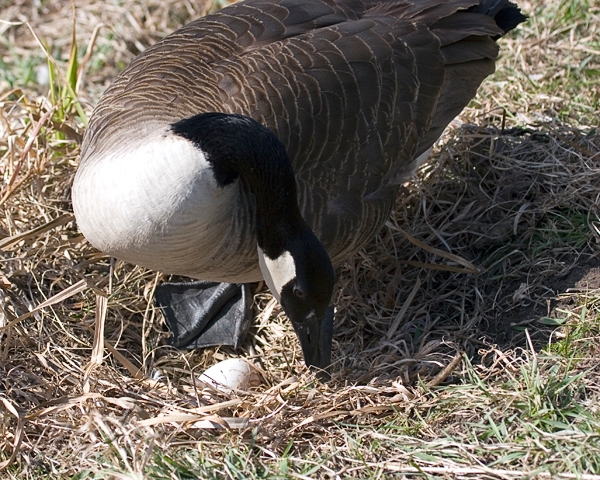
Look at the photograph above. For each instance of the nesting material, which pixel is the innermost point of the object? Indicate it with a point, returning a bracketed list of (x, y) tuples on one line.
[(231, 375)]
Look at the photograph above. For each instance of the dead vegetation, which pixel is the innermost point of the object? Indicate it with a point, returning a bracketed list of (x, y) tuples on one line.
[(489, 250)]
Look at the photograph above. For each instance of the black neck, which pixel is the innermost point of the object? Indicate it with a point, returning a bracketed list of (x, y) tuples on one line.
[(237, 146)]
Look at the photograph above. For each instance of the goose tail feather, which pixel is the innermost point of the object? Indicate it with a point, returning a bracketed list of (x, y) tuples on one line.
[(506, 14)]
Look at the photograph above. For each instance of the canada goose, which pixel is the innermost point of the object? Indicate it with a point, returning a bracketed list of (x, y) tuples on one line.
[(269, 139)]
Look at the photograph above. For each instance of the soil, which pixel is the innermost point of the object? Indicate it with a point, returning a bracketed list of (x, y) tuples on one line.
[(510, 324)]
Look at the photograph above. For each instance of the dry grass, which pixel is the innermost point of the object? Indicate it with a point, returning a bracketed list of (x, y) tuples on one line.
[(489, 250)]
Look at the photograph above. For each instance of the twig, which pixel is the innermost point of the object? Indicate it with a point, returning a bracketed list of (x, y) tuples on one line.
[(469, 267), (59, 297), (36, 232), (443, 375), (400, 316), (38, 126)]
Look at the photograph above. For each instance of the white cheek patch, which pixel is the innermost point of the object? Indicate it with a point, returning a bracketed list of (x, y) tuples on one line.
[(277, 272)]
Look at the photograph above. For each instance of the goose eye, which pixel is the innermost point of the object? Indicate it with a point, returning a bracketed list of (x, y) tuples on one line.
[(298, 292)]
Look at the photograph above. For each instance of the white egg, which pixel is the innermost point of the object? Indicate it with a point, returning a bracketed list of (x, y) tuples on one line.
[(231, 374)]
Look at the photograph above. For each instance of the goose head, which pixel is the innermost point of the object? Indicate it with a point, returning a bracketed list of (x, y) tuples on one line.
[(294, 263), (301, 278)]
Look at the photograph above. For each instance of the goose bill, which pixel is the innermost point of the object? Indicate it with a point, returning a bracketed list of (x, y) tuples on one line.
[(316, 335)]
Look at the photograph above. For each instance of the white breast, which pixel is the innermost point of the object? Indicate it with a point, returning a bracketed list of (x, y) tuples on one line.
[(156, 204)]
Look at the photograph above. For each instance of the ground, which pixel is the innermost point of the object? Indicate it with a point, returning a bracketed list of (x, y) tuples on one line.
[(467, 331)]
